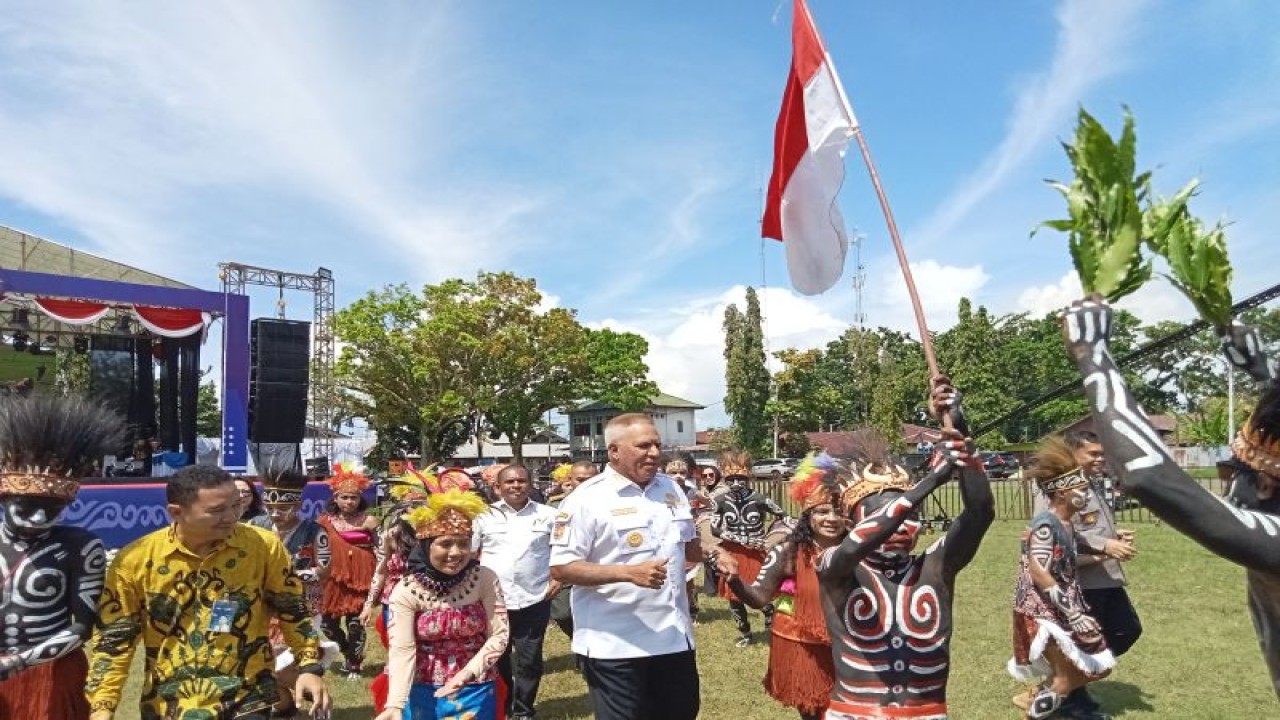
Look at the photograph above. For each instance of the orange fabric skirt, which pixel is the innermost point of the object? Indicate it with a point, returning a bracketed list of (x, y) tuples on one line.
[(749, 562), (51, 691), (800, 674)]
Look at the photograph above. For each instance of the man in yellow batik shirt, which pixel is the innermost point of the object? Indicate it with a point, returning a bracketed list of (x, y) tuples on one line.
[(200, 595)]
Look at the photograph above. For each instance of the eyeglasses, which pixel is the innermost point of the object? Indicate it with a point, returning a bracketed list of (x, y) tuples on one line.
[(708, 475)]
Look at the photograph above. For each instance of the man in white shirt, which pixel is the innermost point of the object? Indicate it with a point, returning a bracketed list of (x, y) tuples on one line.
[(513, 539), (621, 540)]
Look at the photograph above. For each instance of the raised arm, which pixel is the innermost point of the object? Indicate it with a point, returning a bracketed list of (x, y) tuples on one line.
[(839, 563), (1144, 468), (778, 564), (960, 544)]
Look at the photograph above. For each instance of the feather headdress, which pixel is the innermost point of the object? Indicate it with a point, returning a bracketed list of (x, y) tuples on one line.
[(873, 469), (47, 443), (445, 513), (419, 484), (808, 487), (561, 473), (735, 463), (283, 486), (348, 478)]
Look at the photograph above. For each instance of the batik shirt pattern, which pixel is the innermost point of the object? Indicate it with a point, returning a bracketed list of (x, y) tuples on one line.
[(161, 593)]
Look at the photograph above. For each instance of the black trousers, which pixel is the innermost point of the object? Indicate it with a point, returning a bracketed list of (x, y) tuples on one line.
[(1119, 620), (521, 664), (660, 687)]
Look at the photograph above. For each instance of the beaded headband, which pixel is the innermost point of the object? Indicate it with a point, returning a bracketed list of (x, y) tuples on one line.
[(1072, 478), (280, 496), (445, 513), (37, 484)]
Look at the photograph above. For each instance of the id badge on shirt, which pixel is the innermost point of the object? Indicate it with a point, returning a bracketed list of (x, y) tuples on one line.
[(223, 615)]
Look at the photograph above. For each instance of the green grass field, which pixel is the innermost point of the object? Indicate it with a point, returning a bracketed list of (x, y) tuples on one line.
[(1198, 658)]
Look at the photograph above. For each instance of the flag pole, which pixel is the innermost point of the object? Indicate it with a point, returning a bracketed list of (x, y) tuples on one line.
[(926, 339)]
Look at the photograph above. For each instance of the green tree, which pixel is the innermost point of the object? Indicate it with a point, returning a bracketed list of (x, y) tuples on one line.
[(617, 372), (208, 411), (746, 376), (474, 358)]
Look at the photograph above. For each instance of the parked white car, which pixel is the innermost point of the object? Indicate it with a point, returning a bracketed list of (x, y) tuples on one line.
[(774, 468)]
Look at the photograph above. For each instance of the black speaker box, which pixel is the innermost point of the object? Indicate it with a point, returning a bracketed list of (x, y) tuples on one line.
[(277, 412), (280, 350)]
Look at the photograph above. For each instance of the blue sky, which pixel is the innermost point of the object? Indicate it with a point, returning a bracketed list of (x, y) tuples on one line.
[(615, 150)]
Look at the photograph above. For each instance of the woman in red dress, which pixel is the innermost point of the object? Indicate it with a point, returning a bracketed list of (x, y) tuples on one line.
[(352, 537)]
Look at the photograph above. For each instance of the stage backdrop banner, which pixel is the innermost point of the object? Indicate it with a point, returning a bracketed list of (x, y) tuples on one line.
[(120, 514)]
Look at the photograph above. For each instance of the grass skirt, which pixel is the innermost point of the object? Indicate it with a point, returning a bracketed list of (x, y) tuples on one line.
[(799, 674), (749, 562)]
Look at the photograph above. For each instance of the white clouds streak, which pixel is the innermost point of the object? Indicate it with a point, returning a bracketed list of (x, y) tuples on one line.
[(116, 120), (1092, 37)]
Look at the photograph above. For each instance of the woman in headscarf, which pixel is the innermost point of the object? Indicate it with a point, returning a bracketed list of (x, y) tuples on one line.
[(448, 624)]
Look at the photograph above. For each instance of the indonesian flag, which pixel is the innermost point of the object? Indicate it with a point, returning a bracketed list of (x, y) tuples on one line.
[(814, 127)]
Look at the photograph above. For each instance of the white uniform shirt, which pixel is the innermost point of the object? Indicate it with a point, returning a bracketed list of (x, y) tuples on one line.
[(516, 545), (610, 520)]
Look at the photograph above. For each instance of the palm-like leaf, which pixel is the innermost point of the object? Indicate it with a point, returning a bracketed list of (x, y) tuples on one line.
[(1105, 218)]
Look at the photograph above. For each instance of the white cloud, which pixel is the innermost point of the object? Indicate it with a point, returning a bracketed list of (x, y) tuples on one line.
[(117, 123), (940, 288), (686, 351), (1092, 41), (1154, 302)]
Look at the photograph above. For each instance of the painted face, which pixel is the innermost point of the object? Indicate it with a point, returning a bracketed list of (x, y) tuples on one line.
[(826, 523), (904, 539), (1077, 498), (449, 554), (283, 515), (513, 487), (347, 503), (636, 453), (211, 516), (30, 516), (1091, 459)]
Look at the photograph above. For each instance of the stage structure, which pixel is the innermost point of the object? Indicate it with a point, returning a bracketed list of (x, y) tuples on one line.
[(125, 327), (322, 409)]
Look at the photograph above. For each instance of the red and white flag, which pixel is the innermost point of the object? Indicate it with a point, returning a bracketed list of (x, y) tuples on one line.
[(814, 128)]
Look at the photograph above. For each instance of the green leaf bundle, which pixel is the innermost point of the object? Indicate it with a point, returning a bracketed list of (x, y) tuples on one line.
[(1197, 259), (1105, 218)]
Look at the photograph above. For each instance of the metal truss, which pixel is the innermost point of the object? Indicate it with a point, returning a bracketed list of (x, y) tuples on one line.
[(321, 407)]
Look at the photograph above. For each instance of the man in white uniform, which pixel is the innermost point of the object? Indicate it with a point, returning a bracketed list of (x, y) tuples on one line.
[(621, 540), (513, 539)]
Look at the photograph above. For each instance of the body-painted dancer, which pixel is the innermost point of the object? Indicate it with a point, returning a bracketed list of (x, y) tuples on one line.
[(739, 523), (1055, 639), (352, 537), (50, 574), (888, 611), (800, 671), (308, 544), (1244, 527)]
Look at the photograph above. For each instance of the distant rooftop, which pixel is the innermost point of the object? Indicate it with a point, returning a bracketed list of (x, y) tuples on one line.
[(661, 400)]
